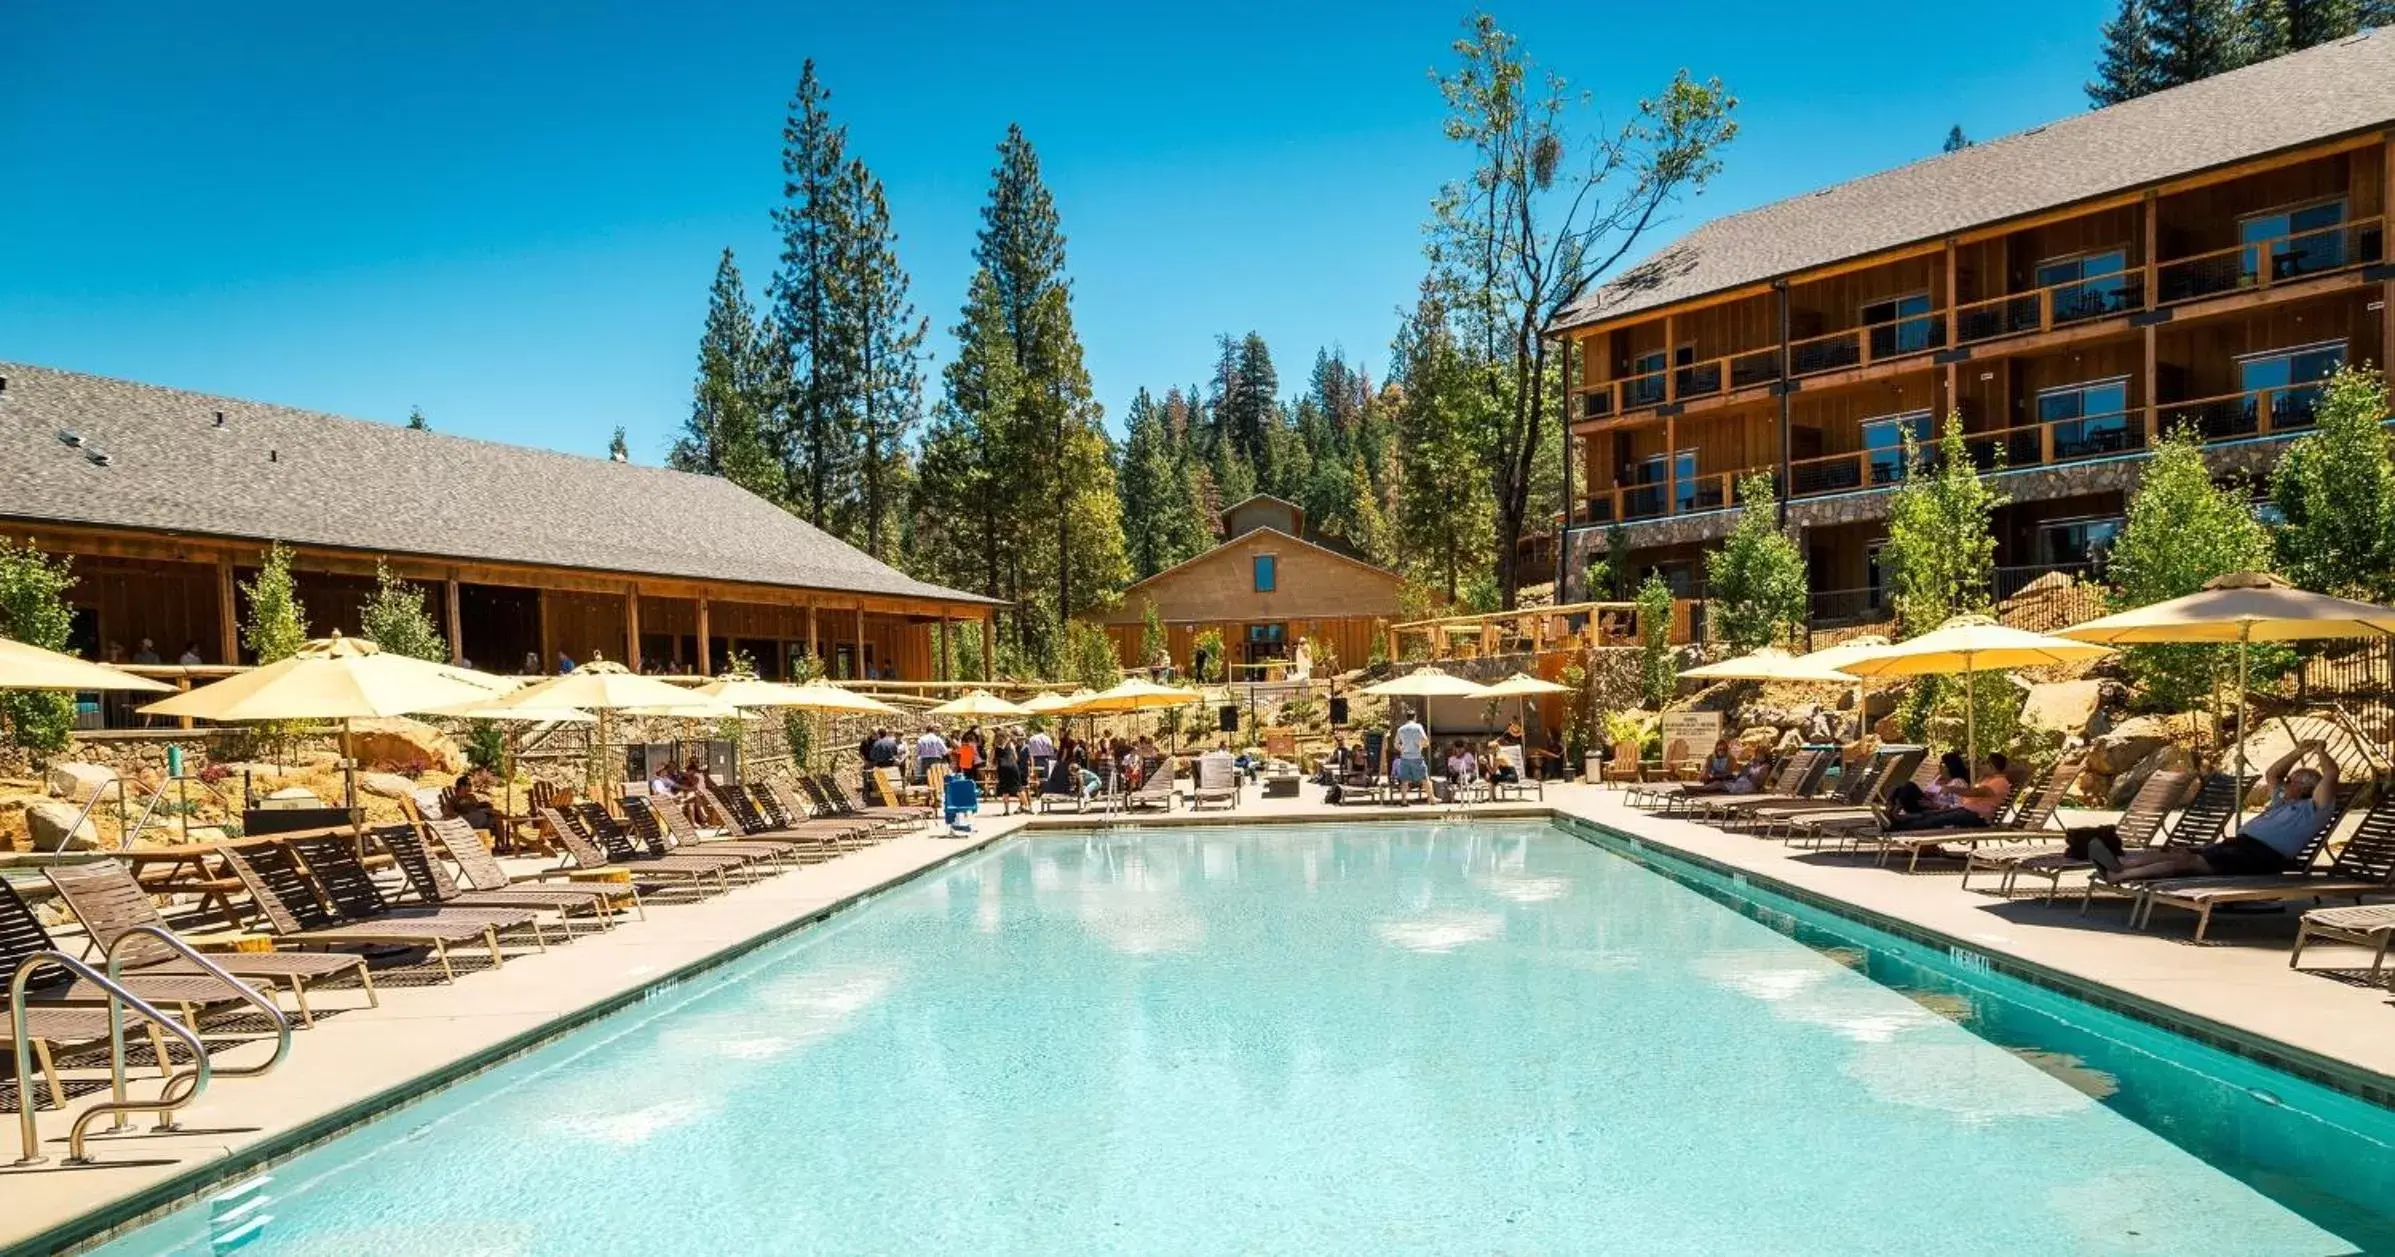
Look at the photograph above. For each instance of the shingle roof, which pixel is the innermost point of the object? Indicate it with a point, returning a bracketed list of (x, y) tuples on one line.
[(2318, 94), (275, 472)]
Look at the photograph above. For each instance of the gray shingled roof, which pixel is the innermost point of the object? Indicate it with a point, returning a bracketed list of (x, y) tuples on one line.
[(2318, 94), (310, 478)]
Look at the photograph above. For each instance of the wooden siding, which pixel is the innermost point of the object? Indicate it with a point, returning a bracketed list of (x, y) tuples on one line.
[(1316, 594)]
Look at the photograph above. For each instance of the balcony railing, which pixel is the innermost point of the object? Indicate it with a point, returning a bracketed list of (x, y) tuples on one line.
[(2032, 445), (1628, 503), (2261, 263), (2050, 307), (2255, 412)]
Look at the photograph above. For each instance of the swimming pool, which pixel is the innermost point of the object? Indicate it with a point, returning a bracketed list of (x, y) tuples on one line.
[(1362, 1038)]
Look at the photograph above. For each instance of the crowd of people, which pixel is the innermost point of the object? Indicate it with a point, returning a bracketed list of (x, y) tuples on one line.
[(1010, 762), (1415, 762)]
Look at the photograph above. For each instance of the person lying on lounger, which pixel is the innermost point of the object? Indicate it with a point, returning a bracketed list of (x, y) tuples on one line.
[(1747, 780), (2299, 797), (1975, 804)]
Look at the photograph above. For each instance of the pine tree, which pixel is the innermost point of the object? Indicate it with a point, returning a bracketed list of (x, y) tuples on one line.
[(1145, 477), (2127, 67), (726, 434), (887, 354), (2264, 30), (396, 619), (618, 450), (1247, 402), (2193, 39), (1956, 141), (2311, 23), (1367, 524), (969, 497), (1445, 512), (416, 421), (817, 441)]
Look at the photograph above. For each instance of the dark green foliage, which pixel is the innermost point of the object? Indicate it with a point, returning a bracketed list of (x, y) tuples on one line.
[(618, 449), (34, 610), (1956, 141), (2126, 68), (1657, 676), (416, 421), (277, 625), (2182, 530), (727, 433), (1446, 514), (486, 745), (1941, 544), (2335, 487)]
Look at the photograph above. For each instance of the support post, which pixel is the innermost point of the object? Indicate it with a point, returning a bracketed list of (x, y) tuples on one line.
[(2152, 374), (814, 652), (1787, 472), (860, 655), (1563, 407), (2151, 247), (941, 627), (228, 618), (706, 665), (632, 657), (454, 622)]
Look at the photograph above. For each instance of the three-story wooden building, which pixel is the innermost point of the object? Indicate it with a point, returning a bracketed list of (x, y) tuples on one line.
[(2201, 257)]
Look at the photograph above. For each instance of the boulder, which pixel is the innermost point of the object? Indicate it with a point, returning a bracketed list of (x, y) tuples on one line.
[(2167, 757), (1757, 738), (51, 823), (77, 782), (398, 742), (388, 785), (2061, 706), (2126, 745)]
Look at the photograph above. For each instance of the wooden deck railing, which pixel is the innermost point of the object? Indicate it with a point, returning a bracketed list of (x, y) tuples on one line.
[(2050, 307), (1711, 491), (2276, 260)]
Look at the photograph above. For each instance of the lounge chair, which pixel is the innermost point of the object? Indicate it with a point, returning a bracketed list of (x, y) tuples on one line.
[(584, 854), (1765, 812), (1509, 754), (482, 870), (2033, 812), (2363, 868), (1798, 783), (2370, 925), (1155, 790), (788, 811), (300, 916), (1361, 781), (1784, 779), (2135, 891), (1889, 767), (341, 876), (649, 825), (854, 805), (1217, 781), (110, 904), (624, 846), (1867, 815), (2050, 857), (186, 994), (433, 885)]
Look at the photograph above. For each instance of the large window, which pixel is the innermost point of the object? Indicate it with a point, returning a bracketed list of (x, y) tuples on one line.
[(1646, 384), (2093, 284), (1883, 444), (1268, 573), (2079, 544), (2088, 419), (1680, 467), (1267, 641), (1900, 325), (2297, 241), (2292, 378)]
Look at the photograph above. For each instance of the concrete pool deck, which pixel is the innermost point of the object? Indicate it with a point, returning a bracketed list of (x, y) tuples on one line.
[(361, 1061)]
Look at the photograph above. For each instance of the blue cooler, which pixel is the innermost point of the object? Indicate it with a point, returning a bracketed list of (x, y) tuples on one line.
[(958, 797)]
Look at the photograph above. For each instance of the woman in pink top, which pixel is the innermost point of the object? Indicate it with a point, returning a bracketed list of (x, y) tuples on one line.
[(1975, 806)]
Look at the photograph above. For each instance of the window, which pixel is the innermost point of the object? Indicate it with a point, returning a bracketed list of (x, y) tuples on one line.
[(1876, 579), (1682, 468), (2300, 240), (2092, 284), (1883, 443), (1900, 325), (2287, 381), (1646, 383), (2079, 544), (1267, 641), (2089, 419), (1267, 572)]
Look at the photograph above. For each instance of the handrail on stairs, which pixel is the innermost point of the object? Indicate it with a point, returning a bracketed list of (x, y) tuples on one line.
[(169, 1099), (247, 994)]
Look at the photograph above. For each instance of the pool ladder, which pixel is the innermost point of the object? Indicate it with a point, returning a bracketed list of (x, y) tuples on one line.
[(180, 1089)]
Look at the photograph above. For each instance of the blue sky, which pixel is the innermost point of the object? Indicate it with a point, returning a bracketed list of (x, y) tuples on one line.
[(508, 213)]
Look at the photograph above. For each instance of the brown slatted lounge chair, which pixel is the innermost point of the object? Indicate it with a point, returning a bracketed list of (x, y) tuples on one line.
[(2364, 867), (624, 847), (1866, 816), (341, 876), (433, 885), (2050, 857), (283, 894), (2371, 926), (482, 870), (772, 814), (2036, 811), (2135, 891), (785, 807), (1788, 781), (807, 844), (1815, 767), (1155, 790), (22, 935), (673, 872), (1764, 814), (829, 799), (648, 830), (1890, 767), (111, 904)]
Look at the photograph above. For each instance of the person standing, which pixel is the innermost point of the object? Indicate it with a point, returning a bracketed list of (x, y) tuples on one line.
[(930, 749), (1410, 744)]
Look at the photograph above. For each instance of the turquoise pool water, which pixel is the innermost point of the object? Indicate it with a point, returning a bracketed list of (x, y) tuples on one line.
[(1355, 1039)]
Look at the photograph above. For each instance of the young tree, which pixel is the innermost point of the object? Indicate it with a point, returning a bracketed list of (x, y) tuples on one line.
[(1956, 141), (886, 351), (816, 341), (1537, 221), (397, 620), (2335, 487), (618, 449), (1757, 577), (2182, 531), (1445, 512), (34, 610), (1941, 543), (2128, 67), (277, 625), (727, 432), (1154, 642), (1366, 524), (416, 421), (1657, 678)]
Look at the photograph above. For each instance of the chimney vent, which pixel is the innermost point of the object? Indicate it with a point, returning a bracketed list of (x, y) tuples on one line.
[(70, 438), (272, 457), (220, 418), (3, 386), (97, 458)]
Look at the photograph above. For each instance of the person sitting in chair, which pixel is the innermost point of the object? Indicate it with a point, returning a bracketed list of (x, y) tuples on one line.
[(1974, 806), (2270, 842)]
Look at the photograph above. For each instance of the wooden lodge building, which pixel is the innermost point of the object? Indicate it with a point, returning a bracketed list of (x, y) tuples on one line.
[(2201, 257), (1266, 587), (166, 501)]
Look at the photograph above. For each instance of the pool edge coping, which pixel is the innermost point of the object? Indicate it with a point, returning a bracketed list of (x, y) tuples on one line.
[(94, 1227)]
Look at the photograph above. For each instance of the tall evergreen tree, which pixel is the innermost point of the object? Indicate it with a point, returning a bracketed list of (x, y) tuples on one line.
[(726, 434), (1445, 512), (2314, 22), (2127, 67), (618, 449), (1247, 402), (817, 440), (1145, 477), (2265, 30), (886, 351), (2194, 39), (1956, 141), (416, 421)]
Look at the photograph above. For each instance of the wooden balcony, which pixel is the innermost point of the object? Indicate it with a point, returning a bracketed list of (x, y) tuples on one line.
[(2298, 255), (1712, 491)]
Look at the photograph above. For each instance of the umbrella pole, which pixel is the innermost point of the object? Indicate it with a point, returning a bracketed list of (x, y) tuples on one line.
[(2244, 633), (349, 774)]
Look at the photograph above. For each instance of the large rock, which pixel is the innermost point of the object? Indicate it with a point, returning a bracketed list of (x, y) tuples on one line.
[(77, 781), (2061, 706), (388, 785), (1757, 739), (2127, 744), (397, 742), (51, 822), (2167, 757)]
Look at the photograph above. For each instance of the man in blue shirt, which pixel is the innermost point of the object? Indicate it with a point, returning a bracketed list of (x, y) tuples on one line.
[(2301, 797)]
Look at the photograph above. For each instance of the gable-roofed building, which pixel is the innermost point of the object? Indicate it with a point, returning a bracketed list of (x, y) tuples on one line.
[(166, 501), (1265, 588), (2199, 257)]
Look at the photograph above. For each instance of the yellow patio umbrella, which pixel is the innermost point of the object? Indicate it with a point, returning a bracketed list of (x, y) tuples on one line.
[(1052, 703), (1134, 694), (977, 703), (748, 691), (1769, 664), (28, 667), (2238, 609), (599, 686), (1970, 644), (1837, 657), (825, 696), (1427, 682), (1523, 686)]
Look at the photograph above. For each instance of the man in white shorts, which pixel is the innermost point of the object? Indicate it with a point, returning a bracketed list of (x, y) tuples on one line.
[(1411, 768)]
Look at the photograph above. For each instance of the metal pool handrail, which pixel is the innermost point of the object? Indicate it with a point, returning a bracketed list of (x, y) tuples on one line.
[(247, 995), (118, 999)]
